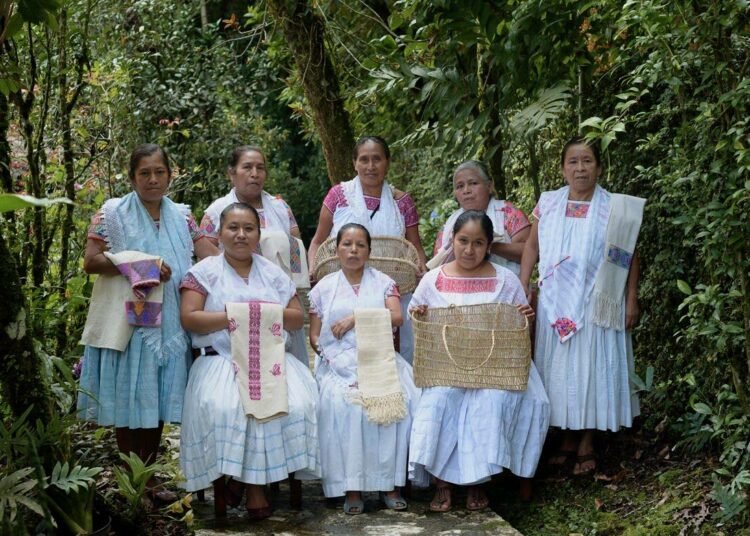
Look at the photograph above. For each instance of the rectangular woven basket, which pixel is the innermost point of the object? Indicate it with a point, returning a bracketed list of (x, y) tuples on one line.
[(483, 346)]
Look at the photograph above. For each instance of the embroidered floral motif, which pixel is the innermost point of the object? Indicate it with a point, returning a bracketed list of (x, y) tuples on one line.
[(275, 329), (576, 209), (619, 257), (208, 226), (564, 327), (143, 313), (254, 351), (276, 370), (232, 325), (465, 285)]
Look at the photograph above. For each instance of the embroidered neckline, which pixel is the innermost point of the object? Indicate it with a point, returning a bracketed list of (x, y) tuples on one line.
[(464, 285)]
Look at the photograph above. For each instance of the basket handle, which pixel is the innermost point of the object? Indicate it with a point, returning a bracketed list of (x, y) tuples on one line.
[(467, 369)]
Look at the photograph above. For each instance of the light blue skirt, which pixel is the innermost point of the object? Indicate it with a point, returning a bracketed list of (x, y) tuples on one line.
[(217, 438), (129, 389)]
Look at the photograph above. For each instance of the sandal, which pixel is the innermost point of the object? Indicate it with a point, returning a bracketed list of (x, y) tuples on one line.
[(394, 503), (583, 458), (441, 502), (353, 508), (566, 455), (259, 514), (232, 496), (476, 499)]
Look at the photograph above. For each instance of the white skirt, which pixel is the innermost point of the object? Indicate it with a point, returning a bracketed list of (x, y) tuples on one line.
[(587, 378), (356, 454), (217, 438), (464, 436)]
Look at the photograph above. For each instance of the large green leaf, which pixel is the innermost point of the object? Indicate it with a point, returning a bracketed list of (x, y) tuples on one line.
[(10, 202)]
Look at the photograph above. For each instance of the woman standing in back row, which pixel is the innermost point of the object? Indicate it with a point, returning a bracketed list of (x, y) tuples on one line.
[(584, 238)]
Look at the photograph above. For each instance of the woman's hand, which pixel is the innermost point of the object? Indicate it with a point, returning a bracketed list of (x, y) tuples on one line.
[(632, 313), (422, 270), (418, 309), (340, 327), (526, 309), (165, 272)]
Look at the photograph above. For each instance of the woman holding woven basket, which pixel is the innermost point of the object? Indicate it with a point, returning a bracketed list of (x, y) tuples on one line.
[(367, 394), (370, 201), (465, 435), (473, 190), (584, 238)]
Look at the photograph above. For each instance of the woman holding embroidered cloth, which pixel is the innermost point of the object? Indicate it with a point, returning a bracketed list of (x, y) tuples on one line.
[(464, 436), (136, 364), (250, 408), (584, 238), (370, 201), (367, 394)]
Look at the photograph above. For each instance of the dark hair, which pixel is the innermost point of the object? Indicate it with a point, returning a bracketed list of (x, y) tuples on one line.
[(580, 140), (375, 139), (348, 226), (237, 152), (142, 151), (483, 219), (238, 206)]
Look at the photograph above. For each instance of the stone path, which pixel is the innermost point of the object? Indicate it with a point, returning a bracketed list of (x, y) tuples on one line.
[(319, 516)]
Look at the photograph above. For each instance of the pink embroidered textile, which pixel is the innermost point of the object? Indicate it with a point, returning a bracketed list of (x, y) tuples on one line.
[(257, 344), (464, 285), (336, 198)]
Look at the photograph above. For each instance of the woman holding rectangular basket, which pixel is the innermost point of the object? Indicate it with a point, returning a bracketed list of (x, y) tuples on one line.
[(465, 435)]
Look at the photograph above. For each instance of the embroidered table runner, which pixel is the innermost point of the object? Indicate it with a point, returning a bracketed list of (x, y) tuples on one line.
[(287, 252), (377, 373), (255, 331), (119, 303)]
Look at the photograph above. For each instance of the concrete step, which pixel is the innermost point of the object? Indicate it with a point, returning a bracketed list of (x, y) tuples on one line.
[(319, 516)]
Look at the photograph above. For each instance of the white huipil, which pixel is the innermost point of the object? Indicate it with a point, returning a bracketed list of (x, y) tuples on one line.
[(386, 221), (588, 375), (217, 438), (464, 436), (274, 216), (355, 454)]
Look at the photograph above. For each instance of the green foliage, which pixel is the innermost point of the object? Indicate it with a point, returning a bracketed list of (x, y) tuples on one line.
[(16, 489), (132, 483), (70, 494), (10, 202)]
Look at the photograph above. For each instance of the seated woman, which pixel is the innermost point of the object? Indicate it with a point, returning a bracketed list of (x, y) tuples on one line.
[(464, 436), (357, 454), (217, 437), (473, 190), (247, 170)]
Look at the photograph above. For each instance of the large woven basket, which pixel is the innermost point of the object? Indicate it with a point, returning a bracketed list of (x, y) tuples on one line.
[(393, 256), (475, 346)]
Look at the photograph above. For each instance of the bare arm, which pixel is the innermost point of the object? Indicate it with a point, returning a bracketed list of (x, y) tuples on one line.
[(195, 319), (205, 247), (293, 316), (94, 261), (530, 256), (314, 331), (394, 306), (514, 250), (632, 310), (325, 224)]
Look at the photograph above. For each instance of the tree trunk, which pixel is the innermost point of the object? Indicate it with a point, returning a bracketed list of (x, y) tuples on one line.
[(21, 377), (492, 145), (304, 33)]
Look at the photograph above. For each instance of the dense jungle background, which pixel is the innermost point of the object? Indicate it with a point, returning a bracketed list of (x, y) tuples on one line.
[(662, 85)]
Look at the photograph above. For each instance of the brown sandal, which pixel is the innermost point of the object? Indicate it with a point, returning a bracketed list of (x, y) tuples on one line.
[(583, 458)]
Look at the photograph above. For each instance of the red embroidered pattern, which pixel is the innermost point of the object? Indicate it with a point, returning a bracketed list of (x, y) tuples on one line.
[(191, 283), (253, 364), (576, 209), (564, 327), (465, 285)]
